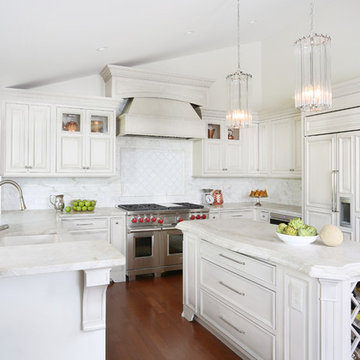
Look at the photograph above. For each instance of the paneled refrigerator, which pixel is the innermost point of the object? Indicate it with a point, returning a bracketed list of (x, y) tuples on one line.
[(331, 178)]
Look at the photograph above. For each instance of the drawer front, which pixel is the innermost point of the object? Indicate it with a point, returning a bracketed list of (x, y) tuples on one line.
[(85, 224), (241, 264), (254, 299), (256, 341), (246, 214), (264, 216), (88, 235)]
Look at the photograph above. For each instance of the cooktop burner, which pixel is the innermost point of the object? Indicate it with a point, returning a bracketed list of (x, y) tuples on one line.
[(152, 207), (141, 207)]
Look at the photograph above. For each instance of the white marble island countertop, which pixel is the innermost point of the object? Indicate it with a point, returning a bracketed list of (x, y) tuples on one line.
[(260, 241), (36, 243)]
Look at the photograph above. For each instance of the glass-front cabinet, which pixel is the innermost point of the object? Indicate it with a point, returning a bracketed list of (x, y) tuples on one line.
[(85, 140)]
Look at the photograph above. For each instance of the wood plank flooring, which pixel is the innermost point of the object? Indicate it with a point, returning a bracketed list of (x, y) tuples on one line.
[(144, 323)]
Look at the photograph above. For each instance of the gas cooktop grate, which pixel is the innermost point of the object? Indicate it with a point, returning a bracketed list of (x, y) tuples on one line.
[(141, 207)]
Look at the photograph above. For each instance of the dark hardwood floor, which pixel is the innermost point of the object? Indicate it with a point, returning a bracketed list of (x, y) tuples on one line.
[(144, 322)]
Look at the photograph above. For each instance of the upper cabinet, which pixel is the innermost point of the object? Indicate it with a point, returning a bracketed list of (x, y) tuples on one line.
[(28, 139), (85, 141), (45, 139), (270, 147)]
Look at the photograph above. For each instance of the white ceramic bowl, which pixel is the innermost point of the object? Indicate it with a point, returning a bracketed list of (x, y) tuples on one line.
[(297, 240)]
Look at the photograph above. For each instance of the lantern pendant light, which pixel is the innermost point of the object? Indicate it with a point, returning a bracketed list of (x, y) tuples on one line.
[(313, 73), (238, 87)]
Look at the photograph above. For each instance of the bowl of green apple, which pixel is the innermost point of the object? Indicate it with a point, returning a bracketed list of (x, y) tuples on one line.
[(81, 206)]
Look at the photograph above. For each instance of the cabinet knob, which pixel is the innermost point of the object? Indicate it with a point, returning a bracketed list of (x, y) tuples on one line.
[(224, 169), (292, 169)]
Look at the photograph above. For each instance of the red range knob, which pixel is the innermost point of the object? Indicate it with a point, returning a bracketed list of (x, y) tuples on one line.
[(147, 219), (153, 219), (134, 220), (180, 219), (160, 221), (198, 217), (192, 217), (204, 216), (141, 220)]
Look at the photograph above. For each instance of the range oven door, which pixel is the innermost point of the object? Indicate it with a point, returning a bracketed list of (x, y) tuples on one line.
[(143, 248), (171, 247)]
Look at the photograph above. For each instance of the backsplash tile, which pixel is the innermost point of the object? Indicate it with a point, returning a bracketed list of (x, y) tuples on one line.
[(148, 170)]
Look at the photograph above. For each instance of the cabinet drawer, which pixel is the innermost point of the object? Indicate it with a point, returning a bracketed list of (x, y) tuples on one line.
[(85, 224), (250, 297), (239, 263), (242, 214), (89, 235), (264, 216), (252, 338)]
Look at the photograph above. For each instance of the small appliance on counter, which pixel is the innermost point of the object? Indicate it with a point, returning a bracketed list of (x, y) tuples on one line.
[(218, 197), (207, 197)]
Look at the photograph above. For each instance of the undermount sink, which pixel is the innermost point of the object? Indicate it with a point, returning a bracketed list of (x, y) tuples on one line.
[(28, 239)]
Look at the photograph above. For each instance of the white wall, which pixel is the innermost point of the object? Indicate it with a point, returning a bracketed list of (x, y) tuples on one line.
[(148, 170), (92, 85), (340, 20), (217, 65)]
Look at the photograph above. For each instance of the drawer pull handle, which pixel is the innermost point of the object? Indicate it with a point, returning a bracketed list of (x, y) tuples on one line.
[(240, 215), (232, 289), (229, 258), (85, 224), (231, 325)]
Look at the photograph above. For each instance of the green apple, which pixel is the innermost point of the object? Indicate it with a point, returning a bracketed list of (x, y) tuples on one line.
[(90, 208), (87, 203), (81, 204), (75, 203), (78, 208), (68, 209), (93, 202), (84, 208)]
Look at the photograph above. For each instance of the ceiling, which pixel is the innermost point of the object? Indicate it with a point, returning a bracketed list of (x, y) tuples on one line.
[(44, 41)]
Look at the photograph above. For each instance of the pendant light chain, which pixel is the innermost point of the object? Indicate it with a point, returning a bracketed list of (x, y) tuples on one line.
[(238, 33)]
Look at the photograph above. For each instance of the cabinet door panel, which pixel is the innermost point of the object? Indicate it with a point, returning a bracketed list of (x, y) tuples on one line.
[(70, 157), (298, 140), (320, 161), (264, 147), (17, 142), (39, 138), (213, 156), (100, 154), (345, 162), (357, 172), (282, 145), (319, 218), (232, 156)]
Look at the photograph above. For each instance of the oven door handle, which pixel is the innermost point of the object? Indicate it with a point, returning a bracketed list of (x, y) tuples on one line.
[(143, 230)]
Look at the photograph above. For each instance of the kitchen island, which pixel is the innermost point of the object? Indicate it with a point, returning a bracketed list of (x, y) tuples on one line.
[(269, 300), (53, 290)]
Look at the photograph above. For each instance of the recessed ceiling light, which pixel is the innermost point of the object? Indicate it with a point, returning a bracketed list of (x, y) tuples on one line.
[(101, 48), (252, 22), (190, 32)]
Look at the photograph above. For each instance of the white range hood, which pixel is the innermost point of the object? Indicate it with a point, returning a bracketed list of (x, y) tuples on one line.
[(160, 117), (157, 104)]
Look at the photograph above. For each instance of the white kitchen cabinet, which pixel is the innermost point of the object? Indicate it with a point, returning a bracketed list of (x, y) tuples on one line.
[(357, 172), (320, 160), (213, 156), (249, 150), (264, 147), (357, 227), (118, 240), (345, 161), (245, 214), (286, 147), (27, 139), (319, 217), (85, 141)]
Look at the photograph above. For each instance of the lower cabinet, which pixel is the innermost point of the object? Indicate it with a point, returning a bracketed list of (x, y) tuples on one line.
[(104, 228), (261, 310)]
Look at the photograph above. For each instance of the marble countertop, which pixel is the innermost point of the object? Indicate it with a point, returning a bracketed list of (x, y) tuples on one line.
[(37, 243), (259, 240), (268, 206)]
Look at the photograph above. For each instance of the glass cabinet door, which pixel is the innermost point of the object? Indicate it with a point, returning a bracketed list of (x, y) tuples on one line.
[(71, 122), (99, 124)]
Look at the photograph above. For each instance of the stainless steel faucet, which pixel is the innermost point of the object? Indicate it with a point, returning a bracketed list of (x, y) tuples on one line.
[(14, 183)]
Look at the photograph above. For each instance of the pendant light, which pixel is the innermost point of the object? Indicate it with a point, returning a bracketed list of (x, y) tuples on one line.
[(238, 84), (313, 73)]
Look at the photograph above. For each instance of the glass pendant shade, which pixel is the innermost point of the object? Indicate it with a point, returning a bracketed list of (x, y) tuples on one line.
[(313, 73), (238, 107)]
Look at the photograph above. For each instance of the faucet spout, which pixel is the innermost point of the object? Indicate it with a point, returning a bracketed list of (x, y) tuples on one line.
[(17, 186)]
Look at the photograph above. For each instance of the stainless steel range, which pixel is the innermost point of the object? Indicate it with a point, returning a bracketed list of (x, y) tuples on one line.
[(154, 245)]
